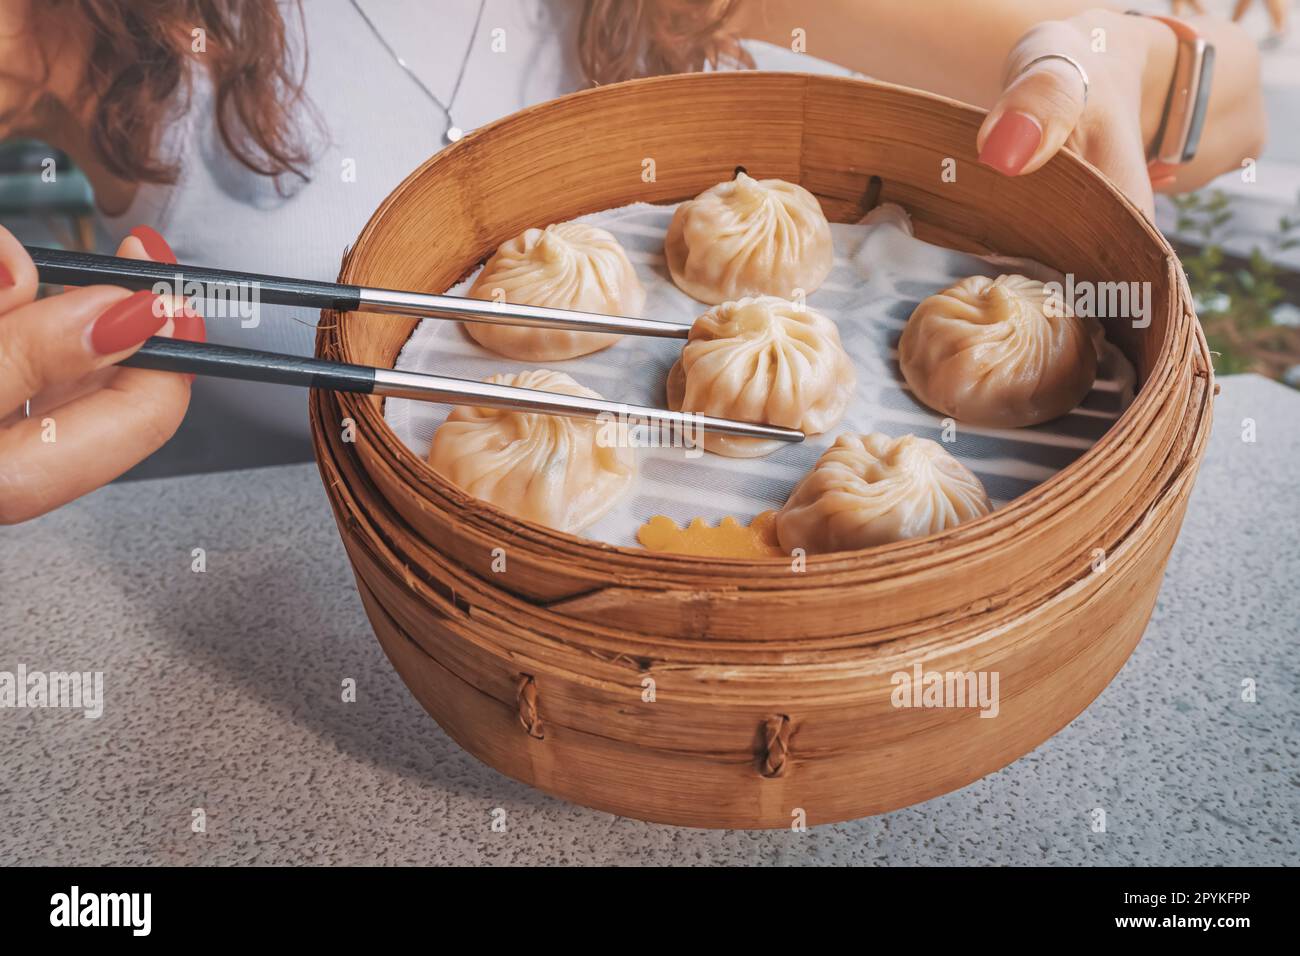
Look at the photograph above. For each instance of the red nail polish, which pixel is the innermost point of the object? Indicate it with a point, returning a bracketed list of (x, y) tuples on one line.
[(127, 323), (189, 326), (6, 277), (1011, 143), (155, 246)]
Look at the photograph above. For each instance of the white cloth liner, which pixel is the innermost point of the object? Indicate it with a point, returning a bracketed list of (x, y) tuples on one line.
[(881, 272)]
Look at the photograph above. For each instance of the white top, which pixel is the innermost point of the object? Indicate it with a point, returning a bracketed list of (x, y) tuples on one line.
[(379, 125)]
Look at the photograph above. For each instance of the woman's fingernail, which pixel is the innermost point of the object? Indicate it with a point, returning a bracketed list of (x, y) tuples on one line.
[(127, 323), (6, 277), (155, 246), (189, 326), (1011, 143)]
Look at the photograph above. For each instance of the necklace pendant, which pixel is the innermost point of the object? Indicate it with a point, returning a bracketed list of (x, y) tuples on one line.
[(454, 133)]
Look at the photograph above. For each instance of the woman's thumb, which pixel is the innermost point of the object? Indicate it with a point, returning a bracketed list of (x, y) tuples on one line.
[(1040, 106)]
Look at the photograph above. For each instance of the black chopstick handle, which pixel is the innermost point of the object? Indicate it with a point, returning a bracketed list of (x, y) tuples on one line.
[(250, 365), (61, 267)]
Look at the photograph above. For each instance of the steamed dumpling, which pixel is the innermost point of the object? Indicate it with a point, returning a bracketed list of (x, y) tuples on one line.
[(545, 468), (749, 237), (568, 265), (873, 489), (998, 352), (763, 360)]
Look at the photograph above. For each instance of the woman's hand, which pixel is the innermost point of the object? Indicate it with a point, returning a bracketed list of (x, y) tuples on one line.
[(1129, 61), (1043, 106), (89, 421), (960, 49)]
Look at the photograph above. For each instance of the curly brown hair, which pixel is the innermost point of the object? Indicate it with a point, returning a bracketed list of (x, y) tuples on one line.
[(138, 75), (138, 72), (622, 39)]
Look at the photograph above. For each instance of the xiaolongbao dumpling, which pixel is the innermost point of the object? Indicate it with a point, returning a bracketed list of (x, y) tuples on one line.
[(998, 352), (568, 265), (547, 468), (749, 237), (762, 360), (873, 489)]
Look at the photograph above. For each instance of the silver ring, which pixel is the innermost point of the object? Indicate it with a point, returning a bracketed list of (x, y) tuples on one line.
[(1083, 74)]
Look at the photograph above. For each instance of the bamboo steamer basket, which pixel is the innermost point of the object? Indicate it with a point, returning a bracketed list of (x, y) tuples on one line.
[(740, 693)]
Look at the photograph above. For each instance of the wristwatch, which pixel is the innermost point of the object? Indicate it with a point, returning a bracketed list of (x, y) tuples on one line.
[(1185, 106)]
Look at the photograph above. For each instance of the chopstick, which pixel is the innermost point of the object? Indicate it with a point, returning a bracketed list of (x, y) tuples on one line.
[(62, 267), (251, 365)]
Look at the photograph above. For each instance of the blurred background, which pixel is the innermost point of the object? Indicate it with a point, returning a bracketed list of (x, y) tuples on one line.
[(1239, 240)]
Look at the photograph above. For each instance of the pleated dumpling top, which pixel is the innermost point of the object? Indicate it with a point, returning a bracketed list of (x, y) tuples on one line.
[(1001, 352), (872, 489), (551, 469), (568, 265), (763, 360), (749, 237)]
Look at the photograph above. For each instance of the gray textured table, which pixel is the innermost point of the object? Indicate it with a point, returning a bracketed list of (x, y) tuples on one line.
[(222, 691)]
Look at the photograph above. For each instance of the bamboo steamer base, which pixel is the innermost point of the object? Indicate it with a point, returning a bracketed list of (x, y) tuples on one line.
[(730, 790), (772, 691)]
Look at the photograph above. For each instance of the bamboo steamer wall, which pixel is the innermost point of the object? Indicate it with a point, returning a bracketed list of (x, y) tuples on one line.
[(772, 689)]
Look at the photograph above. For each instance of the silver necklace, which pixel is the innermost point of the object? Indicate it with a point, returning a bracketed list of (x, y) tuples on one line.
[(454, 132)]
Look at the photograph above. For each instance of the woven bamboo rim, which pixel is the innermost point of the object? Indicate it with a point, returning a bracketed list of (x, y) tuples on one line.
[(568, 635)]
